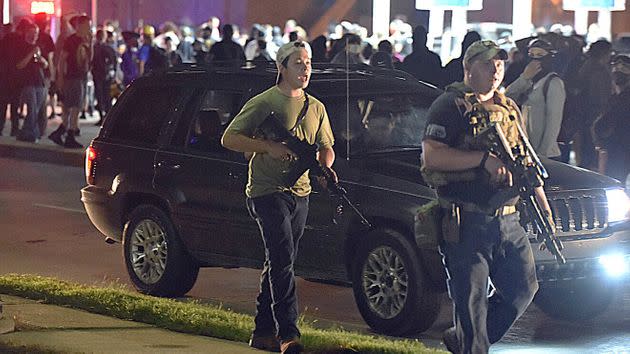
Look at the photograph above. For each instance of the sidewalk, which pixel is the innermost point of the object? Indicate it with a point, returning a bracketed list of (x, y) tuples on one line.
[(47, 151), (35, 326), (48, 328)]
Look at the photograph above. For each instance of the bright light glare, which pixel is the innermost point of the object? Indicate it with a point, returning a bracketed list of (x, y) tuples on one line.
[(615, 265), (618, 205)]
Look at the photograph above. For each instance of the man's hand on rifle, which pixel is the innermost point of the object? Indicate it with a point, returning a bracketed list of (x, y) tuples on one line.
[(322, 179), (499, 173), (280, 151)]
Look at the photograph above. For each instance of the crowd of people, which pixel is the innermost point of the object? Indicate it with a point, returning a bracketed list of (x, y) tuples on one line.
[(561, 88)]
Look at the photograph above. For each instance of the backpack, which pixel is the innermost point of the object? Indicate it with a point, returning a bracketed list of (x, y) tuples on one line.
[(158, 60)]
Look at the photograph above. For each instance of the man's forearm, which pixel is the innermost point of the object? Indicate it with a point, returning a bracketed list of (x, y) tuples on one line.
[(441, 157), (326, 157), (542, 199), (242, 143)]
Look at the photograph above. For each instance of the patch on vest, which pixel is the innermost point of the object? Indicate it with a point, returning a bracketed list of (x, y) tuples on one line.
[(437, 131)]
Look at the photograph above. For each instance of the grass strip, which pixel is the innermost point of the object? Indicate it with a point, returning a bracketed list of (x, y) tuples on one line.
[(188, 317)]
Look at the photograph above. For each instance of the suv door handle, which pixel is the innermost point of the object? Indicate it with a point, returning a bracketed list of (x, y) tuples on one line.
[(163, 164)]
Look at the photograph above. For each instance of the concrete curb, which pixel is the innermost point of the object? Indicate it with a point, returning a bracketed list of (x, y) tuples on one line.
[(47, 151), (41, 153), (7, 325)]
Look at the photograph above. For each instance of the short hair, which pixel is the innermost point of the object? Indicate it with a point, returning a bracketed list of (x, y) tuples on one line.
[(227, 30), (77, 21), (385, 46)]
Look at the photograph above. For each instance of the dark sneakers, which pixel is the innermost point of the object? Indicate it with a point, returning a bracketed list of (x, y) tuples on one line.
[(71, 142), (268, 343), (449, 337), (57, 135), (291, 346)]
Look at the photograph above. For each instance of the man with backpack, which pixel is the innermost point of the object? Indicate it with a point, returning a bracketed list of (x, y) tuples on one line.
[(540, 93)]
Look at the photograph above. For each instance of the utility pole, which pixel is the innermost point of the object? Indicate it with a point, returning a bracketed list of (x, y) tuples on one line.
[(6, 11), (380, 17), (94, 12), (521, 18)]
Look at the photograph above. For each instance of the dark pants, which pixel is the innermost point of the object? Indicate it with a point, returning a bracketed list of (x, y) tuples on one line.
[(281, 218), (102, 95), (565, 152), (495, 248), (35, 98), (13, 100)]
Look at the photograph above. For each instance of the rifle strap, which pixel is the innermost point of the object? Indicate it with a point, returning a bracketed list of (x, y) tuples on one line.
[(302, 114)]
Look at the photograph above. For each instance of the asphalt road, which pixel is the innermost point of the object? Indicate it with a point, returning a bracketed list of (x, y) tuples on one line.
[(46, 232)]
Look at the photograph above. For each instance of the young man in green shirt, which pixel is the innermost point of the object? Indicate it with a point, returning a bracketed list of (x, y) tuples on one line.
[(279, 209)]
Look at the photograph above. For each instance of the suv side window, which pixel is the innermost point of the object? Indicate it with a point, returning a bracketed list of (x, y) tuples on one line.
[(142, 121), (387, 121), (205, 120)]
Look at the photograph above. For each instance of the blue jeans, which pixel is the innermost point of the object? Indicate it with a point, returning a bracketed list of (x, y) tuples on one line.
[(281, 218), (34, 97), (495, 248)]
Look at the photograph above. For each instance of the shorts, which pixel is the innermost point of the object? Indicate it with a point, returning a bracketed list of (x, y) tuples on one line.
[(74, 93)]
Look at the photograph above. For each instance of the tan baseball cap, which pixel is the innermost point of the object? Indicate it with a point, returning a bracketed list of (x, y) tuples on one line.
[(483, 50), (287, 49)]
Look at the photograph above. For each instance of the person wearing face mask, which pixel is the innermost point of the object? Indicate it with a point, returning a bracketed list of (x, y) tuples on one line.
[(540, 93), (351, 52), (612, 128)]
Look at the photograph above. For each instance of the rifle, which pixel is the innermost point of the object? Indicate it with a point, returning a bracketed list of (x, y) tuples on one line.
[(527, 175), (271, 128)]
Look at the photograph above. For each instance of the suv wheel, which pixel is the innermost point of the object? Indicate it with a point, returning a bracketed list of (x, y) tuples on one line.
[(576, 300), (155, 258), (390, 286)]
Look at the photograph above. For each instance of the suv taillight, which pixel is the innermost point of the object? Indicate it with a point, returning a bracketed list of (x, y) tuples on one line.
[(90, 158)]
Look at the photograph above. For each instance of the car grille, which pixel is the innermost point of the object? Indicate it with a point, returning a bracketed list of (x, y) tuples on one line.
[(578, 214)]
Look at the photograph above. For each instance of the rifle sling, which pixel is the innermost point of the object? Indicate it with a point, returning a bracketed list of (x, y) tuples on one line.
[(302, 114)]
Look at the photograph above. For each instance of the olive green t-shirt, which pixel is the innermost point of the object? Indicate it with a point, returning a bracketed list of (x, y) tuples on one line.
[(266, 173)]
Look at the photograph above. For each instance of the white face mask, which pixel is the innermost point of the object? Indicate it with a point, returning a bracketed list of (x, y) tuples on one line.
[(354, 48)]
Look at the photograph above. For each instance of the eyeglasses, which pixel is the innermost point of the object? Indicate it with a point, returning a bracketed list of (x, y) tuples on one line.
[(299, 44)]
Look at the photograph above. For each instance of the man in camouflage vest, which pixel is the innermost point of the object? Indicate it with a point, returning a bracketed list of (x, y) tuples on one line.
[(479, 241)]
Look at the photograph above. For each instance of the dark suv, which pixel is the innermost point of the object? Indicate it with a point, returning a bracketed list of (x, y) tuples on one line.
[(160, 182)]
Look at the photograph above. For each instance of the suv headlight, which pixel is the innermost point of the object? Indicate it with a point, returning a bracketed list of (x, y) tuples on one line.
[(618, 205)]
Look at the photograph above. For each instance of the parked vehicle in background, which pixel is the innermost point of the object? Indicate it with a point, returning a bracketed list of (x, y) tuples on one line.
[(160, 183)]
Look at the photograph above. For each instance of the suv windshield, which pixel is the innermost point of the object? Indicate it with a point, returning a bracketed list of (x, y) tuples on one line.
[(377, 123)]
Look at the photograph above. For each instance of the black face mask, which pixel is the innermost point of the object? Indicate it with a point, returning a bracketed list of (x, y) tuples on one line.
[(546, 65), (620, 78)]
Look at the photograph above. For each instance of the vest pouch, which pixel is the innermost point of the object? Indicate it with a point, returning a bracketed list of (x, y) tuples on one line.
[(428, 225)]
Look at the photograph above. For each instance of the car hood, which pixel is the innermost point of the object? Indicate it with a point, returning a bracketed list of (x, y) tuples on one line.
[(405, 164), (568, 177)]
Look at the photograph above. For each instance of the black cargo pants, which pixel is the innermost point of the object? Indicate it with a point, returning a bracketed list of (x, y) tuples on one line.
[(495, 248), (281, 218)]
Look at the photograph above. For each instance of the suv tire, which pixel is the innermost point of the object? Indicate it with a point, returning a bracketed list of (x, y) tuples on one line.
[(390, 287), (577, 300), (156, 260)]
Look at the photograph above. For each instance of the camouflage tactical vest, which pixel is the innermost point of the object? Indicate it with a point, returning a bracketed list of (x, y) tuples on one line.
[(479, 117), (500, 111)]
